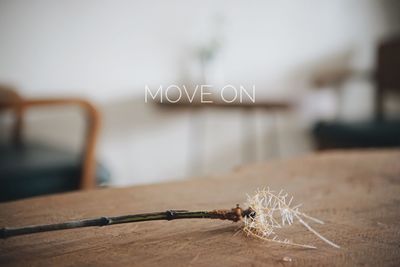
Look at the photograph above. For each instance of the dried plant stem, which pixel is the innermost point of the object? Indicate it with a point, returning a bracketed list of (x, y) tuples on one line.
[(267, 212), (233, 215)]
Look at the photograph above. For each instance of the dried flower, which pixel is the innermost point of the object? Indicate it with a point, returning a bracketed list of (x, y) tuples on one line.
[(266, 212), (273, 211)]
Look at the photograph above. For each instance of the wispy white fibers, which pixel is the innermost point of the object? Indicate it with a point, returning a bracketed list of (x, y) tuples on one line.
[(273, 211)]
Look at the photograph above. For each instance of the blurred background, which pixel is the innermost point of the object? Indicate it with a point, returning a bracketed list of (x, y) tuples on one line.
[(325, 74)]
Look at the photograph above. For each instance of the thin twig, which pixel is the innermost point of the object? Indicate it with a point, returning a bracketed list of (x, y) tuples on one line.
[(234, 214)]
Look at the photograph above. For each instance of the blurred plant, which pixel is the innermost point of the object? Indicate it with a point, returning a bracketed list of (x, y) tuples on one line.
[(208, 52)]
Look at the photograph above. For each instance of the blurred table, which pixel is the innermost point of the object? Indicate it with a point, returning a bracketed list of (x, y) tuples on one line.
[(356, 193), (248, 127)]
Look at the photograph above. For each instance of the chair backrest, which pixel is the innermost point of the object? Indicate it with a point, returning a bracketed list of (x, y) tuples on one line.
[(9, 94), (387, 72)]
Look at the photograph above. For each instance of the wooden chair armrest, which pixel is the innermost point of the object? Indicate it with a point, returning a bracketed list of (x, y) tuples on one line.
[(93, 121)]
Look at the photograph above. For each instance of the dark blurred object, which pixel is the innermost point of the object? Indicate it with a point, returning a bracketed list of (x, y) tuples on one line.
[(379, 132), (34, 169), (387, 73), (357, 135)]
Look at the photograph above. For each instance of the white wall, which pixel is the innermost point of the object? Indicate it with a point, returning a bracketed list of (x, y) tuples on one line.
[(111, 49)]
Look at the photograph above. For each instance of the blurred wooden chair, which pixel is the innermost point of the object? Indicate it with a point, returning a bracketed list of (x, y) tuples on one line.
[(380, 131), (30, 169)]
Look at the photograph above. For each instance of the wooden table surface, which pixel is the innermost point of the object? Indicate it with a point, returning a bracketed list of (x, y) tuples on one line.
[(356, 193)]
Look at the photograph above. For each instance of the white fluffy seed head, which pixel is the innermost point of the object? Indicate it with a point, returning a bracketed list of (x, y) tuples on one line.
[(273, 211)]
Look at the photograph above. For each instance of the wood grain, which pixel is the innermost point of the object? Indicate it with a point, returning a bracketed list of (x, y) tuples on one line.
[(356, 193)]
